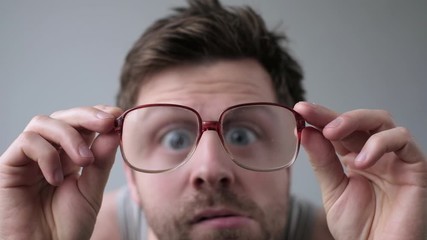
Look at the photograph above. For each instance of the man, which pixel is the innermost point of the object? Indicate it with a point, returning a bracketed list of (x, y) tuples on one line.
[(208, 149)]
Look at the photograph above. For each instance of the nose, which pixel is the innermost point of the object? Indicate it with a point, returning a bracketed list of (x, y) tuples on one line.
[(211, 166)]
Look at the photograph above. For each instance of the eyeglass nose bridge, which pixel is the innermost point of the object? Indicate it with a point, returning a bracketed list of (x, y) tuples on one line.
[(214, 126), (210, 126)]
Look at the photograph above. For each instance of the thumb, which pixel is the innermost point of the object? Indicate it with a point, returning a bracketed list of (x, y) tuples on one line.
[(94, 177), (326, 165)]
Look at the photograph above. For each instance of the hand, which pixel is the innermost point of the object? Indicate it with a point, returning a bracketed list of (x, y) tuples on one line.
[(377, 187), (53, 175)]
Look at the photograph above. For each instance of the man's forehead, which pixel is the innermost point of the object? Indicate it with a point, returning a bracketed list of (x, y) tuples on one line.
[(238, 81)]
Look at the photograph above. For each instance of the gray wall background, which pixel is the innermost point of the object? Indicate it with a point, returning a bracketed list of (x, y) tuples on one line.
[(356, 54)]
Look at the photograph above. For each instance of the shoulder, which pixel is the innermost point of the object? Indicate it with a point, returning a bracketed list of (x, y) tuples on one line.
[(107, 226)]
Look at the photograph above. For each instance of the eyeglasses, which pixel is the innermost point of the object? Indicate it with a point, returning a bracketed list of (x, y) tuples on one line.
[(257, 136)]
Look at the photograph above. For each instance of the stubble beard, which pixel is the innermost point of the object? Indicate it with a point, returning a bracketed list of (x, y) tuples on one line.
[(177, 225)]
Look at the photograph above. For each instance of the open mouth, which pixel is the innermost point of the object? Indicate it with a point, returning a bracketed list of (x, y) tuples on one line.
[(220, 218), (213, 216)]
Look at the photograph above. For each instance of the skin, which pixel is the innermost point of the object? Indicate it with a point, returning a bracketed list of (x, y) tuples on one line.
[(42, 193), (381, 195), (211, 88)]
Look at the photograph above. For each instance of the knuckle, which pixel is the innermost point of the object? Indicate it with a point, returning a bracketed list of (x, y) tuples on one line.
[(387, 118), (404, 133), (29, 138), (385, 115), (38, 119), (26, 137), (376, 141), (50, 153), (347, 116), (101, 106), (35, 122)]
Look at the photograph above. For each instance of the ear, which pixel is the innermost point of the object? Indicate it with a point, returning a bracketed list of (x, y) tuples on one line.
[(131, 182)]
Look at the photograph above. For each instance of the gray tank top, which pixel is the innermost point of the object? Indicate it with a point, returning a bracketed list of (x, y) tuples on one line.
[(133, 225)]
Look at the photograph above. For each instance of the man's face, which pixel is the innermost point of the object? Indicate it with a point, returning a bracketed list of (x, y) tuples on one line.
[(210, 197)]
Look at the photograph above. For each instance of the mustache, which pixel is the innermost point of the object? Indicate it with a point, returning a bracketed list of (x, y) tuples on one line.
[(222, 198)]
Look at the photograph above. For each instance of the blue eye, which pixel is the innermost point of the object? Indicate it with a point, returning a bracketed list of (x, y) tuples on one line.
[(240, 136), (178, 139)]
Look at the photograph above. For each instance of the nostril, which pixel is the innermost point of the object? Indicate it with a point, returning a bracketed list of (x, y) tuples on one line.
[(224, 182), (198, 182), (211, 166), (221, 182)]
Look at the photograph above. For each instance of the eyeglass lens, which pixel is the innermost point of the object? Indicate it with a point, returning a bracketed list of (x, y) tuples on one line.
[(258, 137)]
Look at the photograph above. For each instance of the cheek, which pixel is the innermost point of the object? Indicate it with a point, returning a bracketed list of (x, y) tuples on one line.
[(269, 189), (156, 190), (270, 192)]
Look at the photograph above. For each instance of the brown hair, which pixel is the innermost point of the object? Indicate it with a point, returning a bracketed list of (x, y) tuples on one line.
[(206, 31)]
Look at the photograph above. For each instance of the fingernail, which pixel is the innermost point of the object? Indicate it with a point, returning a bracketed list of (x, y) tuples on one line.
[(311, 104), (85, 152), (104, 115), (360, 158), (337, 122)]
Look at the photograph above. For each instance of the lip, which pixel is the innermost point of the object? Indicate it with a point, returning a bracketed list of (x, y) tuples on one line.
[(220, 218)]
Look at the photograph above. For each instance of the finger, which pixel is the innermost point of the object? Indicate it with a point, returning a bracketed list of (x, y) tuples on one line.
[(326, 165), (116, 111), (90, 120), (94, 177), (30, 149), (320, 116), (93, 119), (354, 128), (62, 135), (362, 120), (348, 131), (397, 140), (315, 114)]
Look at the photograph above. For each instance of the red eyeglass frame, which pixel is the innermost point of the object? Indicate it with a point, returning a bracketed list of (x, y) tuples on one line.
[(213, 126)]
